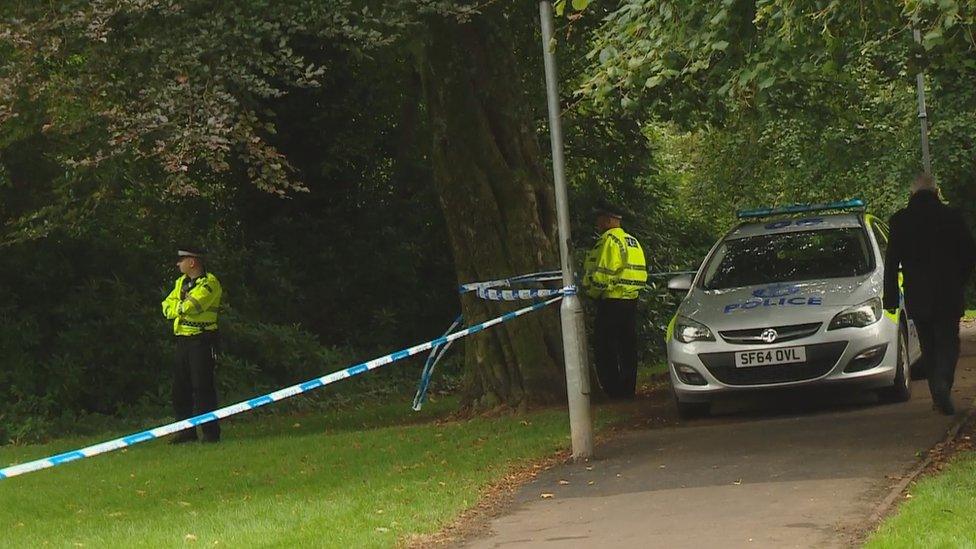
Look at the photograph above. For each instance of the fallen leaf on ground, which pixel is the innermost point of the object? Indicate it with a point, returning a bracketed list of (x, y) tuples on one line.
[(189, 537), (563, 482), (738, 481), (547, 495)]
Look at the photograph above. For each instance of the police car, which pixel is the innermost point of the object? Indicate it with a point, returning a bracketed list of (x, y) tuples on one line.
[(790, 297)]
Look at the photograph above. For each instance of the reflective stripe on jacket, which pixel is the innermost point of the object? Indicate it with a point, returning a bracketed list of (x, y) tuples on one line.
[(615, 268), (195, 311)]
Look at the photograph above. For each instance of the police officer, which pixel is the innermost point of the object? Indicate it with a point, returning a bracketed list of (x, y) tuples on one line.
[(614, 273), (937, 255), (193, 306)]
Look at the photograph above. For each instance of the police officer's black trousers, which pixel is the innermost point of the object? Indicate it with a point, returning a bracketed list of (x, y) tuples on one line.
[(939, 339), (194, 390), (616, 346)]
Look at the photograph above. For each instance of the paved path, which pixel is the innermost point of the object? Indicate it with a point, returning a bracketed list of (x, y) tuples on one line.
[(802, 470)]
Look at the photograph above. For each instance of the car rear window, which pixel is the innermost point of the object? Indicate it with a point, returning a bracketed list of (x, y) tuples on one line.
[(789, 257)]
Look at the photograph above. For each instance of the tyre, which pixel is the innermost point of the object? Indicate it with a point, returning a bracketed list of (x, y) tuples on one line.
[(901, 390)]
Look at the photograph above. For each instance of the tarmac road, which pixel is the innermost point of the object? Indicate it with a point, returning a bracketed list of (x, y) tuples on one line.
[(795, 470)]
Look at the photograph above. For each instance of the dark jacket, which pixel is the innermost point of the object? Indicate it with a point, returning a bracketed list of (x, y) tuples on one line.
[(937, 256)]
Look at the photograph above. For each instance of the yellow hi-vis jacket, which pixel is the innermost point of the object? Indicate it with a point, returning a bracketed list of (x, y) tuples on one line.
[(195, 311), (615, 267)]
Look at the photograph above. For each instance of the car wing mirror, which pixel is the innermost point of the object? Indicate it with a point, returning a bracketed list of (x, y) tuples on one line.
[(680, 283)]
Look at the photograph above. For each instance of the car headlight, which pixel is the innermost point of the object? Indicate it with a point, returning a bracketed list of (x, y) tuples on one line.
[(858, 316), (687, 330)]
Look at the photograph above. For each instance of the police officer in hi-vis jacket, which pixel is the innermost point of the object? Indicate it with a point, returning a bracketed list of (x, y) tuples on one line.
[(193, 306), (614, 273)]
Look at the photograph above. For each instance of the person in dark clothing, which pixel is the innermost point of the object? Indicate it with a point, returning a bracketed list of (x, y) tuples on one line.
[(937, 255)]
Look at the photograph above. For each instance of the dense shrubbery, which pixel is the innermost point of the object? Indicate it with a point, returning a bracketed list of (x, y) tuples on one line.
[(83, 339)]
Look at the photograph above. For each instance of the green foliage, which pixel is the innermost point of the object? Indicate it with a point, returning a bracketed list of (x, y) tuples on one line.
[(577, 5), (177, 84), (358, 260), (702, 61), (279, 354), (768, 102)]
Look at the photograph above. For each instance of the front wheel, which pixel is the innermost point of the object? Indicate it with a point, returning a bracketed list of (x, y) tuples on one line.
[(901, 390)]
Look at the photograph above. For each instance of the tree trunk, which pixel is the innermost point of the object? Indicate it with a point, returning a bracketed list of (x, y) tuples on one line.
[(498, 203)]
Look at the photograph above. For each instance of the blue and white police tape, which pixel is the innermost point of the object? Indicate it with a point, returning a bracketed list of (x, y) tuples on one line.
[(432, 359), (544, 276), (514, 295), (488, 290), (257, 402)]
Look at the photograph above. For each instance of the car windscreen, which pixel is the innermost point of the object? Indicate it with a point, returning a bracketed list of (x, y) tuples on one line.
[(789, 257)]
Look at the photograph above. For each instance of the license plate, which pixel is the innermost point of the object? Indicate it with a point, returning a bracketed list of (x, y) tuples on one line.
[(770, 357)]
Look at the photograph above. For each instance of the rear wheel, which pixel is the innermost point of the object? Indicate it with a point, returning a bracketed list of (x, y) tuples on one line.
[(901, 390)]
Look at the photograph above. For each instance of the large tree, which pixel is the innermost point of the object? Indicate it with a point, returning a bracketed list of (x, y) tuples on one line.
[(496, 197)]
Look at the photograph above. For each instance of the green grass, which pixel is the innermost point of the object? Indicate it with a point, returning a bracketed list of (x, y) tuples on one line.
[(940, 513), (970, 314), (365, 478)]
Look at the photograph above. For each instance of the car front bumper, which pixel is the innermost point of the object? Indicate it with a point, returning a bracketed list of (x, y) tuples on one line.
[(830, 360)]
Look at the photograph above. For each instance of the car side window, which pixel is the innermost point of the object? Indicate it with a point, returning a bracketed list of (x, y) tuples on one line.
[(881, 235)]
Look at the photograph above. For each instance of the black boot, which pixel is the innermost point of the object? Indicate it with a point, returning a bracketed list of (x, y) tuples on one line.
[(944, 405)]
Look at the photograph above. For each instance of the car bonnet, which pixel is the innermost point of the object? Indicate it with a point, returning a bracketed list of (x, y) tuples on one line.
[(780, 303)]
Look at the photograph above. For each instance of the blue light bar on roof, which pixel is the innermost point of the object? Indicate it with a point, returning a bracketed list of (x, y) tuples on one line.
[(855, 203)]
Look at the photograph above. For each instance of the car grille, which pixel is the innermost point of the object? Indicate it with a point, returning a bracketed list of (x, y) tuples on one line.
[(820, 359), (784, 333)]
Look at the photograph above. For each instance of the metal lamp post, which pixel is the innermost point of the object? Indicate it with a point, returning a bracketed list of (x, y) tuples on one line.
[(923, 117), (571, 310)]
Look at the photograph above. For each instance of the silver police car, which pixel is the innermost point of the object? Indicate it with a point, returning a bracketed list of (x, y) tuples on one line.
[(790, 297)]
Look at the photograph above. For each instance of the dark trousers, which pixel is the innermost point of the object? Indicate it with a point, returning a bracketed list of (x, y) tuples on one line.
[(616, 346), (194, 391), (939, 339)]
